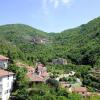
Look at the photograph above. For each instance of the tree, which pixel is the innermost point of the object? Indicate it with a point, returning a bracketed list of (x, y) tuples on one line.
[(53, 82)]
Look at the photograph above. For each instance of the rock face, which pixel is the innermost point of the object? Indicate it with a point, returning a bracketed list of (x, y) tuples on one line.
[(60, 61), (40, 40)]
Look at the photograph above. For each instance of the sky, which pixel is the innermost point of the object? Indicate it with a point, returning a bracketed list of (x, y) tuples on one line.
[(49, 15)]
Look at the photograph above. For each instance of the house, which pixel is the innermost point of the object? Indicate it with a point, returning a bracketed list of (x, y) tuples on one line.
[(6, 82), (81, 90), (41, 70), (38, 74), (60, 61), (30, 69), (35, 78), (3, 62)]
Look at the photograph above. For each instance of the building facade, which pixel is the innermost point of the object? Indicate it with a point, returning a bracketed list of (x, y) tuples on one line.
[(3, 62), (6, 82)]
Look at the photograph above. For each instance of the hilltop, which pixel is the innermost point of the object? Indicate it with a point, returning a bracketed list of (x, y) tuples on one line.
[(18, 33)]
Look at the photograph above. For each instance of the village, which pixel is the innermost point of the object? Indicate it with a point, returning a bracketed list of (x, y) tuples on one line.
[(38, 74)]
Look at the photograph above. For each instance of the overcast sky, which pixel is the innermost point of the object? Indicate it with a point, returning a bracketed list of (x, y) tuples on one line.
[(49, 15)]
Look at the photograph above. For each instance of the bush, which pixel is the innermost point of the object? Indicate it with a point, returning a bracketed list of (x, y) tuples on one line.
[(53, 82)]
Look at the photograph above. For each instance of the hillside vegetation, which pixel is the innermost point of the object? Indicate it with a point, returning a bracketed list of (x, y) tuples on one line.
[(78, 47), (16, 40), (82, 43)]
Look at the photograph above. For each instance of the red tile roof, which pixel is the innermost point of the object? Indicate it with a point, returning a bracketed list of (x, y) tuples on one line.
[(45, 74), (40, 65), (5, 73), (30, 69), (3, 57), (35, 78)]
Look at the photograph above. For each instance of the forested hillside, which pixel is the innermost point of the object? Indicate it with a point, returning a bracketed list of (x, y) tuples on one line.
[(18, 41), (79, 45), (82, 43)]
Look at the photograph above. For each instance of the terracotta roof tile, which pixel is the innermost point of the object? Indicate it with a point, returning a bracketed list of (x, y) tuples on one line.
[(5, 73), (40, 65), (3, 57), (35, 78), (30, 69), (45, 74)]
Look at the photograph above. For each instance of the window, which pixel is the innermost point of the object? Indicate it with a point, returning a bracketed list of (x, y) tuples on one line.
[(83, 92), (8, 77), (7, 91)]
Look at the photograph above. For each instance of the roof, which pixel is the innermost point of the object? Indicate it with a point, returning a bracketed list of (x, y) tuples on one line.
[(5, 73), (79, 89), (40, 65), (3, 57), (35, 78), (45, 74), (30, 68)]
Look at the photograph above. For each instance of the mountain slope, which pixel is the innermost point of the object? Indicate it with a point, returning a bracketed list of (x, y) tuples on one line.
[(19, 32), (17, 40), (80, 45), (83, 42)]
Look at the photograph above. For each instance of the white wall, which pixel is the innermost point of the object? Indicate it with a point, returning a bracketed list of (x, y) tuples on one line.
[(7, 83)]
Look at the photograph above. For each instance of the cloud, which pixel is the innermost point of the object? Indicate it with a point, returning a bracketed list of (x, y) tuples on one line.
[(66, 1), (57, 3), (45, 6)]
